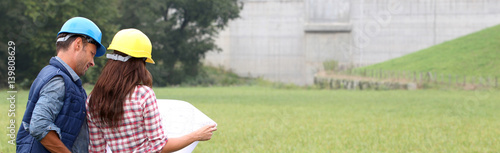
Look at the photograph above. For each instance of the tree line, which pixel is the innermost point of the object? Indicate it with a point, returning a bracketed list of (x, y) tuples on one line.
[(181, 32)]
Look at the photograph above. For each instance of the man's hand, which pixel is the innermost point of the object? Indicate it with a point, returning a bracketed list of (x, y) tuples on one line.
[(52, 143)]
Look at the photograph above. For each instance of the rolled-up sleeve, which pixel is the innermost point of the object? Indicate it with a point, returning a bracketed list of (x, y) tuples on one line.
[(47, 108)]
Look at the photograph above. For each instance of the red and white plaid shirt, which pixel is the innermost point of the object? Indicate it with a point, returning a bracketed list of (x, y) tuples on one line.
[(140, 129)]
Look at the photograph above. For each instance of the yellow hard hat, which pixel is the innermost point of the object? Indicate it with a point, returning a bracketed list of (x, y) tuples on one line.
[(133, 43)]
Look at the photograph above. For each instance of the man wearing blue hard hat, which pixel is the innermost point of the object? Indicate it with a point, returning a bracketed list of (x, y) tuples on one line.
[(55, 117)]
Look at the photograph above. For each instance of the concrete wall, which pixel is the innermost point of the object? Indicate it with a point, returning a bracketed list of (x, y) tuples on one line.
[(288, 40)]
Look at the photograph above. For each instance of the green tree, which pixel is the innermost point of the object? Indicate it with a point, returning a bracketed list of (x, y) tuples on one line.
[(36, 26), (12, 19), (181, 31)]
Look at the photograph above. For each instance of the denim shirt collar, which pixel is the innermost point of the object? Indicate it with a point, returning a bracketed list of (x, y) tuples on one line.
[(74, 76)]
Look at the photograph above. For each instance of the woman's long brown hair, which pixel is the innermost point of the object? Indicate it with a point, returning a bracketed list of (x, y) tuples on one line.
[(117, 80)]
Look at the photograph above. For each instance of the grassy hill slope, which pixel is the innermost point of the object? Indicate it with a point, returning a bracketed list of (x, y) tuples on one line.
[(475, 54)]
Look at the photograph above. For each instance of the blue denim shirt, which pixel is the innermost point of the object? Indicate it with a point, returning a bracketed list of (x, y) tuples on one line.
[(48, 107)]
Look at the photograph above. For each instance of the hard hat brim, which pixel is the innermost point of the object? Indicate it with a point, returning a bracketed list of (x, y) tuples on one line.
[(100, 50), (149, 60)]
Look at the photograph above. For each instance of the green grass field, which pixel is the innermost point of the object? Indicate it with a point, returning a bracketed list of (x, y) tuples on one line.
[(476, 54), (264, 119), (21, 99)]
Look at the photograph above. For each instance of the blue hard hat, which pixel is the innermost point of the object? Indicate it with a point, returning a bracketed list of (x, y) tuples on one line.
[(81, 25)]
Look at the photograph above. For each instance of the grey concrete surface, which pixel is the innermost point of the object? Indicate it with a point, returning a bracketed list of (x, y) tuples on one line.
[(288, 40)]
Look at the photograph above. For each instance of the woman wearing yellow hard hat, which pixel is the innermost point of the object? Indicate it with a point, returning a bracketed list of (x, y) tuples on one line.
[(122, 111)]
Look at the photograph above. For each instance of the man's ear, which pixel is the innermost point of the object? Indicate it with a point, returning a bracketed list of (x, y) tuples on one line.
[(77, 44)]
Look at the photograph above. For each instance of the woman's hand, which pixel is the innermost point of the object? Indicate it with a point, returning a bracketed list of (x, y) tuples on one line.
[(205, 133), (202, 134)]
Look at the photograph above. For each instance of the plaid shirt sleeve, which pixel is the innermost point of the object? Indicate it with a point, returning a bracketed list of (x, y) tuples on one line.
[(152, 121), (97, 142)]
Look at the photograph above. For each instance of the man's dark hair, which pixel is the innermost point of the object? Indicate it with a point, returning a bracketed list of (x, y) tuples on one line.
[(65, 44)]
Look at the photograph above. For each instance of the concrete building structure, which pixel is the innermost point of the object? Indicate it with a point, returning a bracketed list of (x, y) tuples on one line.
[(288, 40)]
